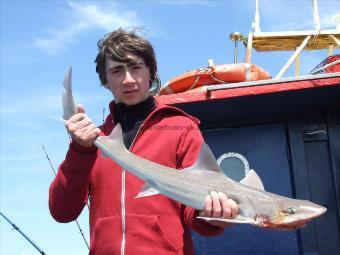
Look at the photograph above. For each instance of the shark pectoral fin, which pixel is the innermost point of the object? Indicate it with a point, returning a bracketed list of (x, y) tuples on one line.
[(238, 220), (147, 191), (252, 180), (206, 161)]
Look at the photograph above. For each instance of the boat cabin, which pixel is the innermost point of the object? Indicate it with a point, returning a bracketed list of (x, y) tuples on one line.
[(288, 131)]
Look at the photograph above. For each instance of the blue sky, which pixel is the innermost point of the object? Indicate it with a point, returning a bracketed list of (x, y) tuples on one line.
[(41, 39)]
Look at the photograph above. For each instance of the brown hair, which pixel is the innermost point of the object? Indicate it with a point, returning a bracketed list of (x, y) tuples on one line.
[(117, 44)]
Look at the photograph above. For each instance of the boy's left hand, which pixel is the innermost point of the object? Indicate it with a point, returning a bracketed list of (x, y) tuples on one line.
[(218, 205)]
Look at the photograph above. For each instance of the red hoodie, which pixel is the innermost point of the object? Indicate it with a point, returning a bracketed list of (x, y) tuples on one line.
[(119, 223)]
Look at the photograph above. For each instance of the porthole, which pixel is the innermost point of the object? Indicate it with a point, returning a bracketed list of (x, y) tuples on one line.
[(234, 165)]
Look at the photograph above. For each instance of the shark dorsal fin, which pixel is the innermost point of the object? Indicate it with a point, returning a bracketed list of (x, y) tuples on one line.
[(206, 161), (116, 135), (252, 180), (115, 138)]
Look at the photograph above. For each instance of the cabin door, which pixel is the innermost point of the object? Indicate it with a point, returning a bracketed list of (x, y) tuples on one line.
[(264, 149)]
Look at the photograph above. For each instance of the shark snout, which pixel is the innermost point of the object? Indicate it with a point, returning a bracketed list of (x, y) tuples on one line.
[(305, 213), (295, 215), (313, 211)]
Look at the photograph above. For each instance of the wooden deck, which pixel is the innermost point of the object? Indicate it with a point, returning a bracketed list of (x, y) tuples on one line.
[(290, 40)]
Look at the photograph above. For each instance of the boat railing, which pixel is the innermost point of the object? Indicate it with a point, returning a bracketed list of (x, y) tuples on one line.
[(296, 41), (308, 77)]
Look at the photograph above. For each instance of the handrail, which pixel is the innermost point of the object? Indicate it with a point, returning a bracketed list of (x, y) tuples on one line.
[(270, 81)]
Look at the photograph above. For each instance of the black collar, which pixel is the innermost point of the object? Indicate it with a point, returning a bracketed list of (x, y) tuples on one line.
[(126, 115)]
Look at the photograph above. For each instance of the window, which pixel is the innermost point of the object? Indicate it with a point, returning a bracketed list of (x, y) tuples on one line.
[(234, 165)]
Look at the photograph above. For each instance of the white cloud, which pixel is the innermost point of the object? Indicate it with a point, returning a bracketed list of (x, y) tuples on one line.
[(94, 16), (46, 102), (15, 158), (328, 22), (84, 17), (6, 110), (35, 102), (191, 2), (57, 41), (297, 16), (307, 24)]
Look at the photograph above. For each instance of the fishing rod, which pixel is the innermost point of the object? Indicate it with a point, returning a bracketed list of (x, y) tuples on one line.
[(23, 234), (79, 228)]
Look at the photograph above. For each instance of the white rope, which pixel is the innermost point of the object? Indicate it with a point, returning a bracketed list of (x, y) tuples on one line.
[(216, 79), (336, 62), (247, 71), (195, 82)]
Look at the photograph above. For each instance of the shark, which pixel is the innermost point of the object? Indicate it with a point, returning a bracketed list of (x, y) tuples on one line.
[(190, 186)]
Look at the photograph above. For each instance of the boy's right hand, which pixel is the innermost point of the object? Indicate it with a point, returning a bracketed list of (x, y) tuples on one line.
[(81, 128)]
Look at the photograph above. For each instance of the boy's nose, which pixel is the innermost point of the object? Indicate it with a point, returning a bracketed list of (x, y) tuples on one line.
[(128, 79)]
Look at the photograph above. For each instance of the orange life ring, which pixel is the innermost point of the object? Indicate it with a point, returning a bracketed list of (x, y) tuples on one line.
[(215, 74)]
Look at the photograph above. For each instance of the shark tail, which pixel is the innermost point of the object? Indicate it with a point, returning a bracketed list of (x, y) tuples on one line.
[(69, 107)]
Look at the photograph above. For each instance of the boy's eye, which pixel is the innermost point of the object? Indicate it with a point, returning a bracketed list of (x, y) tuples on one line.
[(115, 71), (135, 67)]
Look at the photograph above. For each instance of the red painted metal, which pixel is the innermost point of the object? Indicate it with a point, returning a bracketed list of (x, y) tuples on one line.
[(189, 97)]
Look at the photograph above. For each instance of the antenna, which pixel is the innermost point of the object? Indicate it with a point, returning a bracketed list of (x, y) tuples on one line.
[(316, 15), (23, 234), (79, 228), (256, 22), (236, 36)]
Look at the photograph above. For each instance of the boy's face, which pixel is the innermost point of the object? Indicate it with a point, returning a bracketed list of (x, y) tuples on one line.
[(129, 82)]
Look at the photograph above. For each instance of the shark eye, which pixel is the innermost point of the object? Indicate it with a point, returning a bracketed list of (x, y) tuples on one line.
[(292, 210)]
